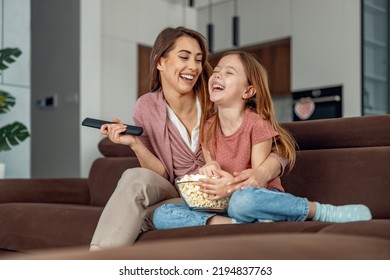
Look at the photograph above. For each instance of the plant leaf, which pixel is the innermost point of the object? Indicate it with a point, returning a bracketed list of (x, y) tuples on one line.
[(12, 135), (6, 102), (7, 56)]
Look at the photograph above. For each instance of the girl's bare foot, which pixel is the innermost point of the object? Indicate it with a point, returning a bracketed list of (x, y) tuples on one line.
[(219, 220)]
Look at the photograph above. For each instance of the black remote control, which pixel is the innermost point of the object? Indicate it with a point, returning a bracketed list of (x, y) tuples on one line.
[(95, 123)]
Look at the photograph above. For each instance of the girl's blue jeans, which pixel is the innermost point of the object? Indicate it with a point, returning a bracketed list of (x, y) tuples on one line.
[(245, 206)]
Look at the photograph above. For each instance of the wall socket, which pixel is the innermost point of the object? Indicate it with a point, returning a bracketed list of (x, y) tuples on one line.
[(48, 102)]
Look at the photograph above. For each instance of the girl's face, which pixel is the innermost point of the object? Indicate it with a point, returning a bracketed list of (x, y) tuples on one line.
[(228, 84), (181, 67)]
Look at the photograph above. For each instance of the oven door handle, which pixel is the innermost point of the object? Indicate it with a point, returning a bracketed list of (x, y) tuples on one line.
[(323, 99)]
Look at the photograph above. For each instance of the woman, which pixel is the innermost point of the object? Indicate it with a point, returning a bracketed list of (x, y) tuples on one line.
[(171, 115)]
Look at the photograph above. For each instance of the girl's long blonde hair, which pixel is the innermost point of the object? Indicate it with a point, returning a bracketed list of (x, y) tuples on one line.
[(261, 103)]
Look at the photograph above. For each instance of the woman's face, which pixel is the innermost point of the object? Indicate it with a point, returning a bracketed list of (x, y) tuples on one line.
[(181, 67), (228, 83)]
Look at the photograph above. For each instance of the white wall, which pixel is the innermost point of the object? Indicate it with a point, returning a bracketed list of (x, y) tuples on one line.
[(125, 24), (326, 48), (111, 32), (90, 81), (15, 31), (260, 21), (325, 40)]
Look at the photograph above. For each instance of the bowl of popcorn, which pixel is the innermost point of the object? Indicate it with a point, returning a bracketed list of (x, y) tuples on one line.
[(189, 190)]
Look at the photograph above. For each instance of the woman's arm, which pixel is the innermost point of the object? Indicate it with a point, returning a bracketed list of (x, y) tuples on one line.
[(264, 168), (145, 157), (271, 168)]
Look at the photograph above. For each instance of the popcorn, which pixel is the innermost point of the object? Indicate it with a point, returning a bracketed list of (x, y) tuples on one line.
[(189, 190)]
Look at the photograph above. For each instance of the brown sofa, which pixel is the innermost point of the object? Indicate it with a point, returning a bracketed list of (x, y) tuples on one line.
[(340, 161)]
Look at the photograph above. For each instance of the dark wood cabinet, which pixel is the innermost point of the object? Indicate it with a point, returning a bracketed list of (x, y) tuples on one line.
[(143, 69)]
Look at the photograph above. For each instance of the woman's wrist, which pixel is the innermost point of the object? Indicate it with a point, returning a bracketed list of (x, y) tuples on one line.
[(268, 172), (135, 145)]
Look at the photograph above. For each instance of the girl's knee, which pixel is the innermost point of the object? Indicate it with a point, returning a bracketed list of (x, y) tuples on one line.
[(240, 199), (244, 202), (159, 215), (162, 215), (237, 203), (166, 213)]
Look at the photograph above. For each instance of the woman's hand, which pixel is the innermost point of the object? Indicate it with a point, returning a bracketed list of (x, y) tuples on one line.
[(216, 188), (115, 130), (248, 178)]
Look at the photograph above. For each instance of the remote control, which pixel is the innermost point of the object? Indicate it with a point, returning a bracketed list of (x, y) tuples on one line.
[(95, 123)]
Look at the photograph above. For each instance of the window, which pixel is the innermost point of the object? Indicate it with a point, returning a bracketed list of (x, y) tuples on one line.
[(375, 57)]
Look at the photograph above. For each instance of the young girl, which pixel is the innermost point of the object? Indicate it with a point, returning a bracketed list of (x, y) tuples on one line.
[(238, 138)]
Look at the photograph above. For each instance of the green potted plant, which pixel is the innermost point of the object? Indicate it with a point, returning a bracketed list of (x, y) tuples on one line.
[(14, 133)]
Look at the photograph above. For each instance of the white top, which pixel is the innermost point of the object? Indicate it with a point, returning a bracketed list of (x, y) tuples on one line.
[(190, 140)]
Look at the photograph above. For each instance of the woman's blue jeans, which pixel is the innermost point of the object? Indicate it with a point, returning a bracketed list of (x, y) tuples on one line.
[(245, 206)]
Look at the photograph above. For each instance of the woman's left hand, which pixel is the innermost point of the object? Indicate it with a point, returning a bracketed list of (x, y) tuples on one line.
[(247, 178), (216, 188)]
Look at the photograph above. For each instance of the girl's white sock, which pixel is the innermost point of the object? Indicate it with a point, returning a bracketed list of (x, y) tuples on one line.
[(341, 214)]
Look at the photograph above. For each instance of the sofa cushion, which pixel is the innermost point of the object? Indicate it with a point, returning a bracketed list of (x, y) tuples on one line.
[(343, 176), (232, 229), (341, 132), (48, 190), (300, 246), (104, 176), (27, 226), (374, 228), (109, 149)]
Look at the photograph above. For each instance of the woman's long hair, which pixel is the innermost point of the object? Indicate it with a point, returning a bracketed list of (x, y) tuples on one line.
[(163, 44)]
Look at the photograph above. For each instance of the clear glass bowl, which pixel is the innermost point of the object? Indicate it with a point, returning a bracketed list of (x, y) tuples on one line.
[(195, 199)]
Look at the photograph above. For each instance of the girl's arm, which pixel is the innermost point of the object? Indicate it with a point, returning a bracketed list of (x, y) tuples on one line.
[(215, 188), (260, 153), (210, 166)]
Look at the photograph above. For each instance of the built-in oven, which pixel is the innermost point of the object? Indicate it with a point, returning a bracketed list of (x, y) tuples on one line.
[(317, 103)]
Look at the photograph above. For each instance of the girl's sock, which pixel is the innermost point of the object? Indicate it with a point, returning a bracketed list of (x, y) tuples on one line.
[(341, 214)]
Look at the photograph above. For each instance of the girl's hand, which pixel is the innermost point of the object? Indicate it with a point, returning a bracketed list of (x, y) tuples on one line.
[(247, 178), (209, 168), (216, 188), (114, 132)]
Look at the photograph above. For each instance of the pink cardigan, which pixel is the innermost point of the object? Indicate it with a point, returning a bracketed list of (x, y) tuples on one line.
[(162, 138)]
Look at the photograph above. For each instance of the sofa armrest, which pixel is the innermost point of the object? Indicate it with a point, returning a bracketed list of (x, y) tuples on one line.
[(64, 190)]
